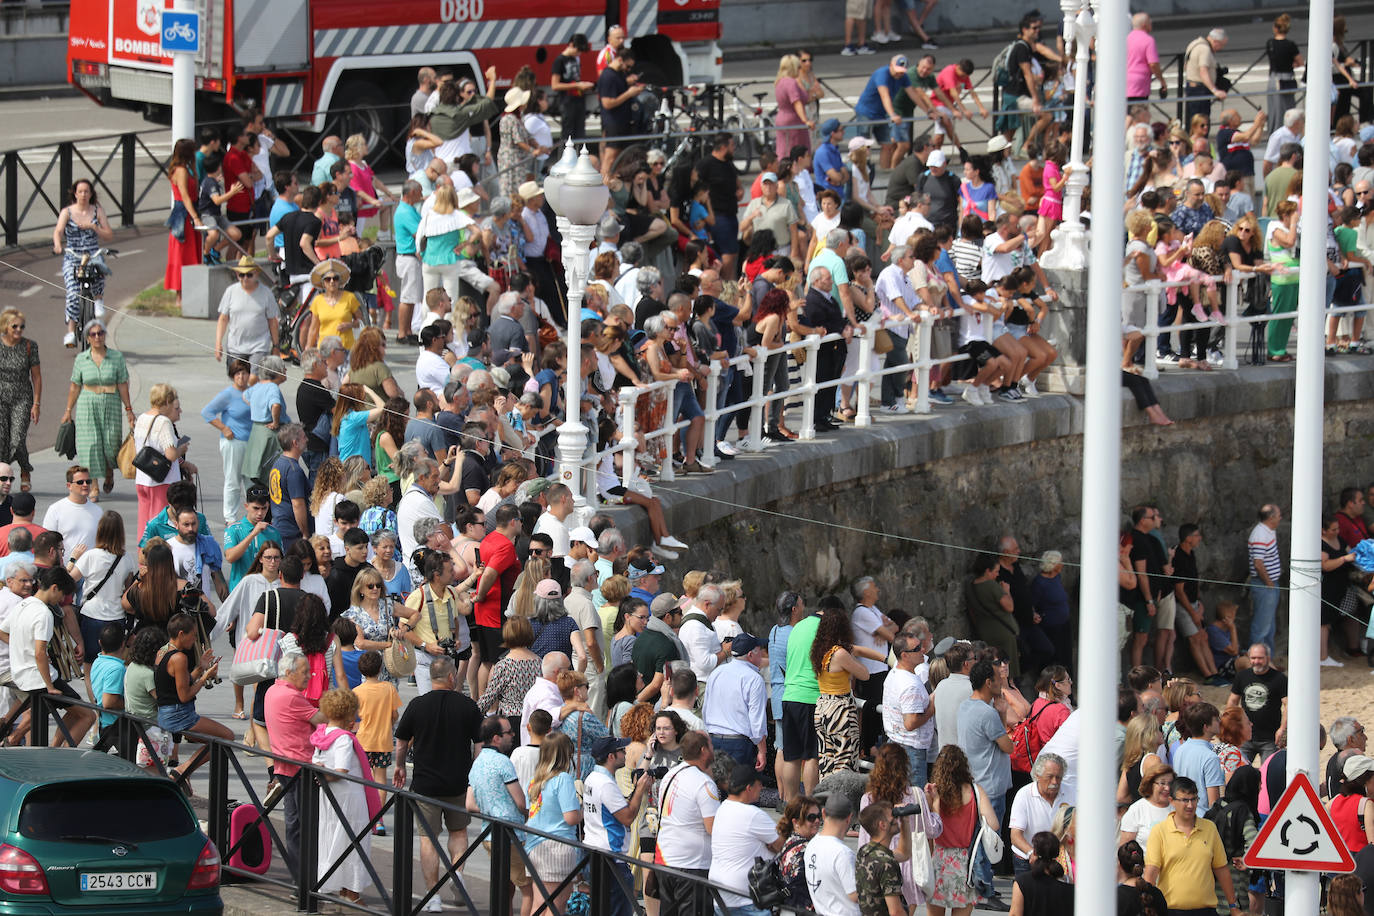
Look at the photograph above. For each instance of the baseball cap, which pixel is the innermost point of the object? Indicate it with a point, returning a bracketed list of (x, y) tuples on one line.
[(582, 535), (828, 126), (536, 486), (769, 176), (943, 646), (744, 644), (642, 567), (500, 357), (605, 747), (838, 805), (547, 588), (859, 143), (501, 376), (664, 604), (935, 159), (898, 63)]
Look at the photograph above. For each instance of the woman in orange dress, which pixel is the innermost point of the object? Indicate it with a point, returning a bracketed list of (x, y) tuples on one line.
[(185, 249)]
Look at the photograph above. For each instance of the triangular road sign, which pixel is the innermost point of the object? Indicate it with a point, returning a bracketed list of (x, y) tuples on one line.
[(1299, 835)]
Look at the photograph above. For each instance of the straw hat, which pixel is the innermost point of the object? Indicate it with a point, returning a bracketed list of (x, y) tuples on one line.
[(516, 98), (329, 266), (530, 190), (246, 265)]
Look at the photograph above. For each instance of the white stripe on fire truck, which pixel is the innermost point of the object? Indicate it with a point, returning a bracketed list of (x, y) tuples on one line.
[(643, 13), (496, 33)]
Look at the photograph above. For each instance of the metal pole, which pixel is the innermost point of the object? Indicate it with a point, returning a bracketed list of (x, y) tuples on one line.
[(1095, 887), (1302, 891), (184, 86)]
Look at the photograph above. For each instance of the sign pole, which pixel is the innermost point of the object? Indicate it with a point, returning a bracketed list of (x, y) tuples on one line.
[(183, 84), (1095, 887), (1302, 890)]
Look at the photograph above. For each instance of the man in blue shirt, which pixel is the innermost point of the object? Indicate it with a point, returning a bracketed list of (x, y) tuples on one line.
[(408, 271), (245, 537), (644, 573), (331, 152), (287, 488), (288, 187), (1195, 757), (878, 103), (494, 788), (828, 166), (606, 816)]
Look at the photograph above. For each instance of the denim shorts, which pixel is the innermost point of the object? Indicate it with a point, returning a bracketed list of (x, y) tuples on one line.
[(685, 404), (178, 717)]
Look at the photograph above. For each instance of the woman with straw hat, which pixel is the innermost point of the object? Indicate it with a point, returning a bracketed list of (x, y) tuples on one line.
[(515, 158), (335, 309), (248, 315)]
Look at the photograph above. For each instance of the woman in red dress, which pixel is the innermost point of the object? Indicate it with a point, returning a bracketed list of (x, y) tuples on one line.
[(186, 250)]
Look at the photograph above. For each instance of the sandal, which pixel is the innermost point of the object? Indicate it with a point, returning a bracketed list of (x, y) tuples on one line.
[(240, 714), (109, 481), (848, 414), (786, 432), (1282, 358)]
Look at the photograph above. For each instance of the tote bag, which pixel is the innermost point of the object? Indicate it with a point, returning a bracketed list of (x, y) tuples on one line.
[(255, 660)]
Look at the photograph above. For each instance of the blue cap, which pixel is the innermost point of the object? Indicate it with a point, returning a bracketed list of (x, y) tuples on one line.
[(828, 126), (605, 747), (743, 644)]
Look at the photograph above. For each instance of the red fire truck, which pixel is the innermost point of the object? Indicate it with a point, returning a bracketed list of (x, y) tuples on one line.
[(307, 57)]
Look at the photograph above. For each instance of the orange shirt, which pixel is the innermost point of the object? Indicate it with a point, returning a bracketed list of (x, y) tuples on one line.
[(1032, 184), (378, 704)]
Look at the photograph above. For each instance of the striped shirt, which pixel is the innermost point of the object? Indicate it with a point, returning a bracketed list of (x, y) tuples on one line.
[(1264, 548)]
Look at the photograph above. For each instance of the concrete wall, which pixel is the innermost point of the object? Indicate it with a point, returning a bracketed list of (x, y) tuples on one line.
[(786, 22), (831, 511)]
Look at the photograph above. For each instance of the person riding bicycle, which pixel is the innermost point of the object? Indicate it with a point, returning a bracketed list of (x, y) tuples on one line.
[(82, 225)]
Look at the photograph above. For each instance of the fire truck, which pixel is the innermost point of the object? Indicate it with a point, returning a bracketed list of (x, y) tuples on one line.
[(297, 60)]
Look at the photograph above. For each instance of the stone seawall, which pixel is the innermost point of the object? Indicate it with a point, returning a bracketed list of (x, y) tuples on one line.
[(885, 501)]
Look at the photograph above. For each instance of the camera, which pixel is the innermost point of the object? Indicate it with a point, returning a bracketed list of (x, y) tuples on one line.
[(906, 810), (449, 646), (655, 772)]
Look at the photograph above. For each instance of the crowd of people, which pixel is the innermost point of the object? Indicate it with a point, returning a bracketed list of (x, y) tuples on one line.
[(368, 517)]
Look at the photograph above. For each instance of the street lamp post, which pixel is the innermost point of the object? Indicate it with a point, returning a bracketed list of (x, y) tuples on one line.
[(578, 196), (1070, 248)]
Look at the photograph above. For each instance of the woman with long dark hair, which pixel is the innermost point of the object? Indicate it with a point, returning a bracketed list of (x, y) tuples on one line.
[(178, 677), (770, 325), (836, 717), (1041, 891), (623, 684), (890, 782), (183, 242), (391, 432), (152, 597), (81, 227), (1134, 895), (311, 636), (959, 803)]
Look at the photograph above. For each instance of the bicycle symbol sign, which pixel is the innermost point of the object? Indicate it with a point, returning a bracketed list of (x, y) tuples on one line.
[(180, 32)]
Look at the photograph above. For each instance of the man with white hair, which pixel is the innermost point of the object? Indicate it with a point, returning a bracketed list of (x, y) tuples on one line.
[(822, 315), (1138, 146), (1203, 76), (507, 334), (581, 581), (705, 649), (1033, 808), (608, 231), (649, 301), (546, 696), (1142, 61), (1294, 124), (1348, 737), (631, 255), (417, 503)]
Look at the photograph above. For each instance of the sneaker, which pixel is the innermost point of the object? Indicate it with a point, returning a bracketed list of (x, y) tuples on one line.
[(1215, 357), (434, 905), (897, 409), (970, 396), (69, 339), (930, 45), (1199, 311), (847, 51), (939, 397), (384, 235), (660, 551), (1011, 394), (672, 542), (725, 448), (1170, 357), (1028, 389), (865, 49), (985, 393), (1329, 662), (99, 308), (1218, 316)]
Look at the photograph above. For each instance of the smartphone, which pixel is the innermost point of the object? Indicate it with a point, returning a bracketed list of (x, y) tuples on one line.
[(477, 555)]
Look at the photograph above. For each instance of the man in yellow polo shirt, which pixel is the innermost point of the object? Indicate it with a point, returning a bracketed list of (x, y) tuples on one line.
[(1185, 858), (443, 612)]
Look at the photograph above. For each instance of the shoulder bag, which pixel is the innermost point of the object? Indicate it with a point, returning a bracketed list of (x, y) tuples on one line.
[(124, 458), (399, 658), (922, 865), (255, 660), (152, 461), (101, 584)]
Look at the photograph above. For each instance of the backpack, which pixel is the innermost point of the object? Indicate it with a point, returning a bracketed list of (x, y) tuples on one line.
[(1022, 737), (1001, 73), (766, 886), (1229, 819)]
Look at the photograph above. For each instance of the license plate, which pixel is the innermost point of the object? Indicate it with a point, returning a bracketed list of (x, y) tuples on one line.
[(119, 881)]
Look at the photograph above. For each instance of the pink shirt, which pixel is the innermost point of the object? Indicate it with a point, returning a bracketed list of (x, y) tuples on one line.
[(1140, 53), (288, 715), (543, 695), (951, 81), (362, 180)]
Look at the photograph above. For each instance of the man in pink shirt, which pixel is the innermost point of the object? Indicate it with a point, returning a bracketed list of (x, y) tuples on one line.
[(290, 720), (1142, 61)]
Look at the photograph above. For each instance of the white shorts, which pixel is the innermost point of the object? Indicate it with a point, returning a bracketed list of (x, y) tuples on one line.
[(411, 275), (473, 276)]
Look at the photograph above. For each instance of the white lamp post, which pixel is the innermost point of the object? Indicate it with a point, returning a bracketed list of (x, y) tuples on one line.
[(578, 196), (1070, 248)]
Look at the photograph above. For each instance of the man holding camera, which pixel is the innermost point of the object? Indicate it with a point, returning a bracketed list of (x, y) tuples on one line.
[(441, 610), (606, 815)]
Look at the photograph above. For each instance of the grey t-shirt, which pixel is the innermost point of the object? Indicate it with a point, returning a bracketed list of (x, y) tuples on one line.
[(248, 333), (979, 728), (430, 434)]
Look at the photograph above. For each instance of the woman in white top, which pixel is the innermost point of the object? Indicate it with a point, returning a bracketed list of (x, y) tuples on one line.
[(1152, 807), (103, 572), (727, 624), (157, 428), (237, 610)]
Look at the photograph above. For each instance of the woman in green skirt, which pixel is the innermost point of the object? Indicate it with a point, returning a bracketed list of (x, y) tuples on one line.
[(100, 387)]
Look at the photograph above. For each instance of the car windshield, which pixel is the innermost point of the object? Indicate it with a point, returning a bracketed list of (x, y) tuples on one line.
[(130, 812)]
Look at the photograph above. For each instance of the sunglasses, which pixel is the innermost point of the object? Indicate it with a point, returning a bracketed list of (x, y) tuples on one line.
[(813, 817), (96, 334), (82, 483), (331, 279), (538, 551), (17, 327)]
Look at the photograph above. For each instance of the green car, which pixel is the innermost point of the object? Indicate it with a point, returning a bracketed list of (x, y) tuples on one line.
[(82, 832)]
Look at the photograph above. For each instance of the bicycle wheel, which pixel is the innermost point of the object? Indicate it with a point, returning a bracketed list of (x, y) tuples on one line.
[(745, 143), (84, 315)]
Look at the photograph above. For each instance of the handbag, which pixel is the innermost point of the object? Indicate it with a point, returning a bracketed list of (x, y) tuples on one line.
[(991, 839), (124, 458), (151, 461), (922, 865), (399, 659), (66, 440), (255, 660), (882, 342)]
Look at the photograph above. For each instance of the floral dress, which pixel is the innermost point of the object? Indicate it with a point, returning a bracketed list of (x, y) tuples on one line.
[(583, 729), (511, 678), (376, 630), (510, 156), (98, 415), (16, 393)]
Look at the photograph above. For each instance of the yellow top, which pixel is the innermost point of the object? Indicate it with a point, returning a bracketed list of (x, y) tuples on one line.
[(1186, 863), (832, 683)]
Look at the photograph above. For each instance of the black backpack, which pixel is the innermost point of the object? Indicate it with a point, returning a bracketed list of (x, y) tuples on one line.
[(766, 886), (1229, 819)]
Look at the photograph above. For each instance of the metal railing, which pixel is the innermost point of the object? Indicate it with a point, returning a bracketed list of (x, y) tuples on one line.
[(392, 881), (634, 440)]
